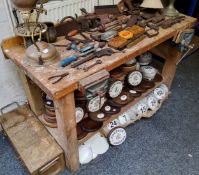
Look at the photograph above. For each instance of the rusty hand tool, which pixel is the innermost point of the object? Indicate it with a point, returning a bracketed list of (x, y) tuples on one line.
[(153, 20), (92, 65), (55, 79), (166, 23), (67, 46), (71, 34), (98, 54), (74, 57)]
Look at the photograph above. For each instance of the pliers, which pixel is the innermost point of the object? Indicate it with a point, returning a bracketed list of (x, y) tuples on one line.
[(55, 79)]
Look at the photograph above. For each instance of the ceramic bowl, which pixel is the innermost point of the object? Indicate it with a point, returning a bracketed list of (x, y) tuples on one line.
[(159, 93), (131, 112), (152, 103), (130, 62), (148, 72), (85, 154), (164, 88), (142, 108), (145, 59), (124, 118), (99, 145)]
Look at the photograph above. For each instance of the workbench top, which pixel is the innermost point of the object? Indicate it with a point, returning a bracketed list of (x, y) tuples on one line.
[(14, 50)]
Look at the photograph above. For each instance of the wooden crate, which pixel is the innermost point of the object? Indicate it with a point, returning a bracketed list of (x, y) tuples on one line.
[(37, 149)]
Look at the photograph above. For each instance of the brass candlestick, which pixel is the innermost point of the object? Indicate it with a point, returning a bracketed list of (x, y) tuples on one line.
[(170, 9)]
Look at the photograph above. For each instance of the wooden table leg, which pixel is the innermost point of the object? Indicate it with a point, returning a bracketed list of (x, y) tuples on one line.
[(169, 71), (33, 93), (172, 55), (66, 122)]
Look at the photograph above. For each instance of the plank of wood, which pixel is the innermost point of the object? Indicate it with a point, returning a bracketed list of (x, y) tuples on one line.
[(124, 109), (10, 42), (172, 55), (148, 115), (169, 69), (70, 83), (163, 49), (66, 122), (35, 146), (93, 80), (33, 93)]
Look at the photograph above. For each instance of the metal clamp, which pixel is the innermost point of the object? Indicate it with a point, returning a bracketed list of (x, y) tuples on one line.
[(3, 108), (189, 47)]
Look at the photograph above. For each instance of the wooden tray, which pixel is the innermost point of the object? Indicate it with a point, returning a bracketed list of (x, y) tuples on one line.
[(36, 147)]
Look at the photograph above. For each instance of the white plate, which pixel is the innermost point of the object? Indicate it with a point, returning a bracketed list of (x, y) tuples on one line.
[(123, 118), (142, 109), (99, 145), (135, 78), (115, 89), (159, 93), (79, 114), (152, 103), (117, 136), (164, 88)]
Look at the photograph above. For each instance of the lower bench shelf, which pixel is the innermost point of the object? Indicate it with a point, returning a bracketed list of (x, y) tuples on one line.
[(55, 134)]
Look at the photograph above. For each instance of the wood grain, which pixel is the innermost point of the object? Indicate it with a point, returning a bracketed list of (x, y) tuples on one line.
[(172, 55), (33, 93), (40, 75), (35, 146), (123, 109), (65, 115)]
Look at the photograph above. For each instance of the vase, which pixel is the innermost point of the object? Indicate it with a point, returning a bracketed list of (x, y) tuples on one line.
[(170, 10)]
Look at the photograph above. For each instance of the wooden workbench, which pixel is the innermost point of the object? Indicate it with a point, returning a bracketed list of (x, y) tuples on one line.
[(35, 79)]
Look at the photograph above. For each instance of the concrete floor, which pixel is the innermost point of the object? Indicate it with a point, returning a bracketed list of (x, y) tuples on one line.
[(166, 144)]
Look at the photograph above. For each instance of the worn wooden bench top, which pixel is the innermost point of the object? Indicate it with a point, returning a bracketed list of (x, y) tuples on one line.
[(14, 50)]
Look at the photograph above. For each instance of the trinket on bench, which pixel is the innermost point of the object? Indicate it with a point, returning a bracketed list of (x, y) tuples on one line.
[(117, 136)]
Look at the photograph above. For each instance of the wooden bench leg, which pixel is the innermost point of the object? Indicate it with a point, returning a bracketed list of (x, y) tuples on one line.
[(172, 55), (170, 66), (168, 72), (33, 93), (66, 122)]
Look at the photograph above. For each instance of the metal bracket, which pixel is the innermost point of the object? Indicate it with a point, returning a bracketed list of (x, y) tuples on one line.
[(190, 47), (7, 106), (185, 38), (93, 80)]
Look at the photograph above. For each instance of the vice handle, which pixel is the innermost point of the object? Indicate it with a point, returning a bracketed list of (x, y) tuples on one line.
[(68, 60)]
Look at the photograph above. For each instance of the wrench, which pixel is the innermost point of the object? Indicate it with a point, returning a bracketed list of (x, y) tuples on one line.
[(92, 65), (97, 54)]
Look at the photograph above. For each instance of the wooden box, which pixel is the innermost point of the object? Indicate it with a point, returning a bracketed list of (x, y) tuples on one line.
[(37, 149)]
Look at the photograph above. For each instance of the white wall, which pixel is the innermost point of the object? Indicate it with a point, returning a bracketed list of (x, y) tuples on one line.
[(10, 84)]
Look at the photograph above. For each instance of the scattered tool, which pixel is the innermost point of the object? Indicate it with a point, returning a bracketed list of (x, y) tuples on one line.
[(92, 65), (153, 20), (71, 34), (85, 48), (166, 23), (74, 57), (67, 46), (55, 79), (98, 54)]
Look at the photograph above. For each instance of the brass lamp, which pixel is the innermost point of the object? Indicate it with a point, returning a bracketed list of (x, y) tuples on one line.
[(37, 52), (25, 8)]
